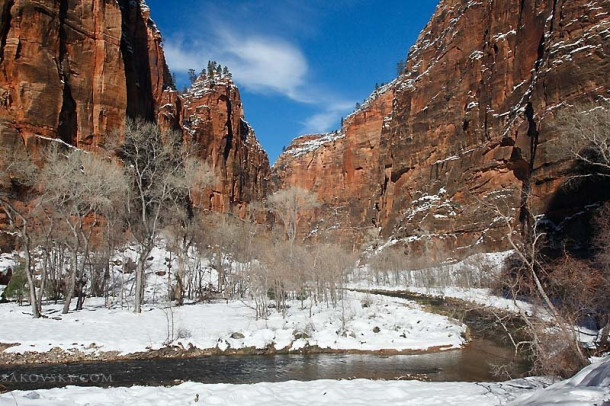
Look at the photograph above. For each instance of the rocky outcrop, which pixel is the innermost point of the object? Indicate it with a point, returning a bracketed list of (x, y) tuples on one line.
[(212, 118), (342, 168), (73, 70), (471, 125)]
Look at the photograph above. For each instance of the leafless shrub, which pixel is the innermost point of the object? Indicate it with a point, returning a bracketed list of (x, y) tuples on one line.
[(288, 204), (584, 135)]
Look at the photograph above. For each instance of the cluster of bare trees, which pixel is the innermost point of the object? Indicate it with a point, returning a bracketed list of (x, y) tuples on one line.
[(569, 296), (57, 209), (271, 268), (73, 212), (71, 208)]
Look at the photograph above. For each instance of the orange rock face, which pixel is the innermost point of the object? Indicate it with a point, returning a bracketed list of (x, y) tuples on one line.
[(212, 118), (342, 168), (73, 70), (62, 69), (469, 126)]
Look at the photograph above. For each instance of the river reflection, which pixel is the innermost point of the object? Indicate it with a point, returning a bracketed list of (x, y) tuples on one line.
[(475, 363)]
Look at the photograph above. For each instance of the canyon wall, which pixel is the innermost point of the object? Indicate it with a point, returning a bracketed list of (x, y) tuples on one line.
[(469, 126), (74, 70), (211, 116)]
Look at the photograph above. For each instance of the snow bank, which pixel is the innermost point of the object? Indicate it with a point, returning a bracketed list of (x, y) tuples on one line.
[(323, 392), (365, 323), (478, 267), (591, 386)]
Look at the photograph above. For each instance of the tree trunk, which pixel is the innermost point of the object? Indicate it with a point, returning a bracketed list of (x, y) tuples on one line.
[(140, 281), (71, 282), (43, 280), (31, 283)]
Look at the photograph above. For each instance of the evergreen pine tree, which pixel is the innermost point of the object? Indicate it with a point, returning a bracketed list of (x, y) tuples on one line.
[(400, 67), (192, 76)]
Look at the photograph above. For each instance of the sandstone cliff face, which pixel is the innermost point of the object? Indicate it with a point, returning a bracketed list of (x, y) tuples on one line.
[(342, 168), (471, 122), (212, 117), (73, 70)]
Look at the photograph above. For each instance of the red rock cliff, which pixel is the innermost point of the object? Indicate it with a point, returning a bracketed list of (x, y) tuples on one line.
[(75, 69), (342, 168), (471, 122), (212, 118), (72, 69)]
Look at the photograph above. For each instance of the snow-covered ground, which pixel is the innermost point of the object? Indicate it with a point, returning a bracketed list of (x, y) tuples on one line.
[(323, 392), (479, 296), (446, 279), (591, 386), (371, 323)]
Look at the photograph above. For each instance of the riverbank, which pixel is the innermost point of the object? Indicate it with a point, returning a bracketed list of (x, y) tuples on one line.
[(365, 323)]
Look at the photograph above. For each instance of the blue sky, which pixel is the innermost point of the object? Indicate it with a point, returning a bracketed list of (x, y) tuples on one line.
[(300, 65)]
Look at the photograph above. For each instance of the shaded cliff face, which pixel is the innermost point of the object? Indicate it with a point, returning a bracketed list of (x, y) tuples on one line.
[(212, 119), (75, 69), (71, 69), (471, 122), (342, 168)]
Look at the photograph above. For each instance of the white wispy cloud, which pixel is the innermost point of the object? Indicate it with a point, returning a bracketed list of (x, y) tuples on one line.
[(327, 119), (259, 64), (262, 58)]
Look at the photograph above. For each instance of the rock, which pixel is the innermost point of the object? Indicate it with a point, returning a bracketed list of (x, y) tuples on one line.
[(32, 395), (376, 330), (64, 66), (74, 71), (301, 336), (212, 118), (238, 336), (469, 121), (5, 276)]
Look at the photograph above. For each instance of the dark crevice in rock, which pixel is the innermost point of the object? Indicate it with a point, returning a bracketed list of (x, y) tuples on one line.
[(229, 137), (67, 129), (396, 175), (525, 215), (5, 25), (135, 53)]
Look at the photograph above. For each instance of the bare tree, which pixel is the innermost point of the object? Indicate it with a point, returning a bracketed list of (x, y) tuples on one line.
[(288, 204), (529, 273), (585, 135), (390, 261), (80, 187), (185, 226), (155, 167), (602, 265), (18, 176)]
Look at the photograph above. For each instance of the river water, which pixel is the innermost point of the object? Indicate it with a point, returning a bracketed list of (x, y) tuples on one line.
[(475, 363)]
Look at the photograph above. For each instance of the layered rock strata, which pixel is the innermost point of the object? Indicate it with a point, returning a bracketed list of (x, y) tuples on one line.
[(469, 127)]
